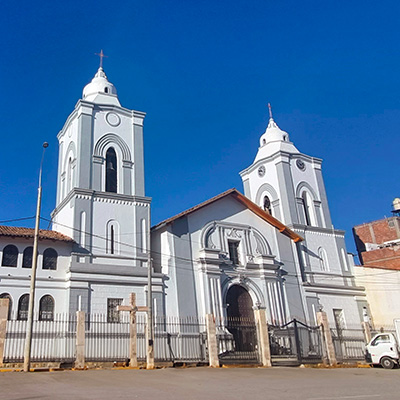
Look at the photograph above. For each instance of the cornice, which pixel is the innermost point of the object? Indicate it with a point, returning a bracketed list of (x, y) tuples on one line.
[(283, 154), (103, 197), (316, 230)]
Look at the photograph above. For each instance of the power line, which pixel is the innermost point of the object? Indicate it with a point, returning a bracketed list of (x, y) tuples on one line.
[(16, 220)]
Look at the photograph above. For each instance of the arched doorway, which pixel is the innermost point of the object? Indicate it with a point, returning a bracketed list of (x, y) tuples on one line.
[(240, 321)]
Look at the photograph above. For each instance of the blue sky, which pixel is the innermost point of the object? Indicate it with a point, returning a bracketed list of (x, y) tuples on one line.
[(204, 71)]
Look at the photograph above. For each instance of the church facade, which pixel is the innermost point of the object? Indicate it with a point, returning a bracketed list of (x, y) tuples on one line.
[(273, 247)]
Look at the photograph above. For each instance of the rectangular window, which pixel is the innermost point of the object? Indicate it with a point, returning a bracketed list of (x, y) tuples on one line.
[(112, 312), (233, 251)]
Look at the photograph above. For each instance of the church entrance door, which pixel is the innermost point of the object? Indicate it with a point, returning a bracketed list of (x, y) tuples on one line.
[(240, 322)]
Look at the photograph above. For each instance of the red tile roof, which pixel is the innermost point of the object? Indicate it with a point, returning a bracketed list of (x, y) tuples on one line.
[(246, 202), (44, 234)]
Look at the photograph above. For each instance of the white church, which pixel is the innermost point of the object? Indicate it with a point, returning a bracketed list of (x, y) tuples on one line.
[(273, 247)]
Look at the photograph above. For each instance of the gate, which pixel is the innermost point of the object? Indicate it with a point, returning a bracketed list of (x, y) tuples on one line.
[(237, 341), (295, 343)]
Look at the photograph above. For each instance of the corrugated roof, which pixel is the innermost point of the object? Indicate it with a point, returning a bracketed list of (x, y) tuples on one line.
[(246, 202), (14, 231)]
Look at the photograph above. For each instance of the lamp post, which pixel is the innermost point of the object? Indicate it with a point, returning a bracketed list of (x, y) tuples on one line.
[(29, 326)]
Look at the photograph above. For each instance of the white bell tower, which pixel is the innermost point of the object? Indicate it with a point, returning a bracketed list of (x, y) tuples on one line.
[(285, 182), (101, 201)]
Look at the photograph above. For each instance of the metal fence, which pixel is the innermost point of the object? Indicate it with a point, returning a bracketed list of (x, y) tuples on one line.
[(51, 340), (295, 343), (175, 339), (237, 340), (180, 339), (349, 344)]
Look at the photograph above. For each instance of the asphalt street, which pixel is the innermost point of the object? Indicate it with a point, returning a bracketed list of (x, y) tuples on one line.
[(204, 383)]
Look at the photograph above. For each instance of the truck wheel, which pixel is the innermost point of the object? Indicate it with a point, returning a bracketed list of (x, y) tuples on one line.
[(387, 363)]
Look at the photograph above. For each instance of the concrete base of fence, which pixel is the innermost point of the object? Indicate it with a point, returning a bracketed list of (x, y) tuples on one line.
[(3, 326), (367, 332), (263, 337), (212, 341), (322, 320)]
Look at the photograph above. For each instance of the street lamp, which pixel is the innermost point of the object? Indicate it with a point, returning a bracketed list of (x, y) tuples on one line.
[(28, 340)]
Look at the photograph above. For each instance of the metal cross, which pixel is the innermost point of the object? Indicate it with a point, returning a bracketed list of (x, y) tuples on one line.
[(101, 55), (270, 110)]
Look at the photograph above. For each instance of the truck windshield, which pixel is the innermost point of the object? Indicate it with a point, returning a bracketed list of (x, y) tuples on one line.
[(381, 339)]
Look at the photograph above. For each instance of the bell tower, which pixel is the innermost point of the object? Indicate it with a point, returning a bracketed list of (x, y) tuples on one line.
[(285, 182), (101, 200)]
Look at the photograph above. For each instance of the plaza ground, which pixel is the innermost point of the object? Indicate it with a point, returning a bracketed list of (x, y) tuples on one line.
[(204, 383)]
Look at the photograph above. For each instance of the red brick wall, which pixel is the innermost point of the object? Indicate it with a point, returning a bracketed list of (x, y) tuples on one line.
[(388, 257), (382, 230)]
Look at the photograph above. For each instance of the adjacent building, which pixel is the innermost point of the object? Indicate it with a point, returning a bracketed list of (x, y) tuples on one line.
[(378, 247)]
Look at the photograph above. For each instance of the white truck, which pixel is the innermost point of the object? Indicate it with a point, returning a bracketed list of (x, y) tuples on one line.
[(383, 349)]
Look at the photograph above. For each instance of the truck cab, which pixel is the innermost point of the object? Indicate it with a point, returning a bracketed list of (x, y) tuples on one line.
[(383, 350)]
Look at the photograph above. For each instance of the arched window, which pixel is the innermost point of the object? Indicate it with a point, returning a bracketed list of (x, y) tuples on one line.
[(50, 259), (111, 171), (10, 256), (7, 296), (323, 259), (112, 234), (267, 205), (27, 257), (46, 308), (106, 89), (23, 305), (305, 199), (70, 176)]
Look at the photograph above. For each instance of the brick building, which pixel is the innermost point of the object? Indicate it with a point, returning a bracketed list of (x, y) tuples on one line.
[(378, 243)]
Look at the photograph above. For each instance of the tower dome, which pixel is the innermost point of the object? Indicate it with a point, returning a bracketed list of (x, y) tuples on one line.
[(273, 133), (100, 90)]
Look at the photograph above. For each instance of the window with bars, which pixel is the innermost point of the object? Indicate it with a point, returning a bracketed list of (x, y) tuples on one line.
[(27, 257), (46, 308), (233, 247), (23, 305), (113, 314), (10, 256), (50, 259)]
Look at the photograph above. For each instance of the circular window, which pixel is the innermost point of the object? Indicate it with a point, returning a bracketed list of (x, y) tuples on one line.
[(300, 164), (113, 119), (261, 171)]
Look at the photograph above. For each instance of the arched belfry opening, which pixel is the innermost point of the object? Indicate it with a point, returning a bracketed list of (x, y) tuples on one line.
[(240, 321), (111, 171)]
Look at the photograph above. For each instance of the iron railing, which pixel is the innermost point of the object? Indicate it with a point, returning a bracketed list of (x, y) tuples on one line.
[(349, 344), (237, 340), (51, 340)]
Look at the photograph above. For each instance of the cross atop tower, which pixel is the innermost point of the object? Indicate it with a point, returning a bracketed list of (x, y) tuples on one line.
[(270, 110), (101, 55)]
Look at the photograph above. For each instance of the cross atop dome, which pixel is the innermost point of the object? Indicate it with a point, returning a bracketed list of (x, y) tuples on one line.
[(270, 110), (101, 55)]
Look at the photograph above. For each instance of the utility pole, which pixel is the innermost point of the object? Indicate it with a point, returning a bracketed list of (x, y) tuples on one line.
[(150, 341), (29, 325)]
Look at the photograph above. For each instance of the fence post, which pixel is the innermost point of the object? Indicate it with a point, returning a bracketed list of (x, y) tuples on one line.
[(322, 320), (4, 304), (367, 332), (263, 337), (212, 341), (133, 332), (297, 341), (80, 340)]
